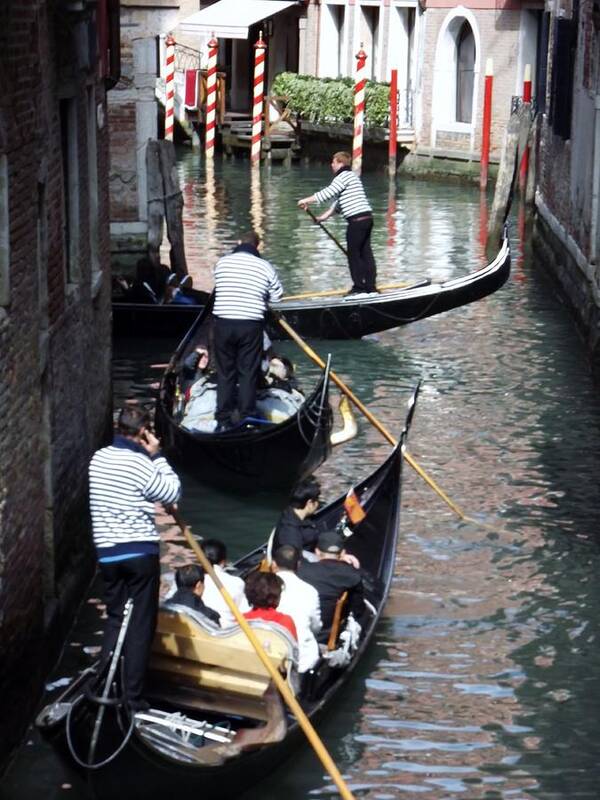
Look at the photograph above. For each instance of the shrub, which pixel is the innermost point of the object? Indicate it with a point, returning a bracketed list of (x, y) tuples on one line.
[(331, 100)]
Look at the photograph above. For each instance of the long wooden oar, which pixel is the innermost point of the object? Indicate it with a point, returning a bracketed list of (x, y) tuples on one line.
[(372, 419), (338, 292), (281, 685), (327, 231)]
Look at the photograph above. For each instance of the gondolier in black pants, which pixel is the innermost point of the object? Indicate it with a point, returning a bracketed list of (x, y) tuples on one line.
[(244, 284), (350, 200), (126, 479)]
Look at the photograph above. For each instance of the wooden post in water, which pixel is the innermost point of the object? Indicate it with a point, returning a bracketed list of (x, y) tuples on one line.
[(393, 144), (515, 140), (165, 202)]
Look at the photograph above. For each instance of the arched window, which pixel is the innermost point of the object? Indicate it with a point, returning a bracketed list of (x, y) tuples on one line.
[(465, 70)]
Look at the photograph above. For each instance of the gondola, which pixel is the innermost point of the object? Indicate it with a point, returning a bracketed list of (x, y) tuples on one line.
[(336, 317), (215, 744), (271, 456)]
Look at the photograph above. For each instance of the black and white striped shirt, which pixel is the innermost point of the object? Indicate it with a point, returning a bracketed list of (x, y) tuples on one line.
[(348, 189), (124, 485), (244, 284)]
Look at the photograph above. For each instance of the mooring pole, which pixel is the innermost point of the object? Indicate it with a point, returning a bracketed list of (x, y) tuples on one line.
[(393, 145), (258, 103), (170, 88), (487, 124), (525, 157), (359, 110), (211, 98)]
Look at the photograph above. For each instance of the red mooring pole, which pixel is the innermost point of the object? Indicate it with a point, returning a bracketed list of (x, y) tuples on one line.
[(257, 104), (487, 123), (359, 109), (170, 88), (211, 98), (525, 157), (393, 145)]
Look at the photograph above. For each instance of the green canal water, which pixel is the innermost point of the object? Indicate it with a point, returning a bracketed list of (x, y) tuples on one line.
[(483, 680)]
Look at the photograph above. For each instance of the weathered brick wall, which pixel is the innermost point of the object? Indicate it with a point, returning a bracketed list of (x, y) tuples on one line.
[(499, 40), (55, 379)]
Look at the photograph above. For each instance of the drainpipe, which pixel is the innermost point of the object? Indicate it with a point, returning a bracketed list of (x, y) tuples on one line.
[(595, 183)]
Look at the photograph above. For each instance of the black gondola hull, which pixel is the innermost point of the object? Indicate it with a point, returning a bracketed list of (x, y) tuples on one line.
[(335, 318)]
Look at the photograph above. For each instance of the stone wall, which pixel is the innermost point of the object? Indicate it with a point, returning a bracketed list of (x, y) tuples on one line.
[(55, 390)]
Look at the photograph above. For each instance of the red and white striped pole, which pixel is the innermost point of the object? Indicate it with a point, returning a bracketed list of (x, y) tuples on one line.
[(211, 98), (257, 105), (393, 145), (525, 157), (170, 88), (487, 124), (359, 109)]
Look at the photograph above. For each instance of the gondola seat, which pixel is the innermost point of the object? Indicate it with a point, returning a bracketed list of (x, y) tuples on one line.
[(189, 650)]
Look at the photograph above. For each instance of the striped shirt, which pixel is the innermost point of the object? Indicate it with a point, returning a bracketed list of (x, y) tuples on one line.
[(244, 284), (347, 188), (124, 485)]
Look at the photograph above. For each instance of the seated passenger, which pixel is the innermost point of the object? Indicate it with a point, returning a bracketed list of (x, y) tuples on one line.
[(190, 588), (216, 552), (301, 601), (263, 590), (178, 290), (198, 392), (295, 526), (331, 576), (143, 288), (280, 373)]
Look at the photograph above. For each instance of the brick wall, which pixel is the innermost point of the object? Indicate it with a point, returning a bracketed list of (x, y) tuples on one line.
[(55, 392), (499, 39)]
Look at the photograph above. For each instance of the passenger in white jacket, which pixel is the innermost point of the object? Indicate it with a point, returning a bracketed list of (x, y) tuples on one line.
[(216, 552), (301, 601)]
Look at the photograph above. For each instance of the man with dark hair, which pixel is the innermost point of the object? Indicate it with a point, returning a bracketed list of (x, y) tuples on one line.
[(295, 526), (301, 601), (216, 553), (244, 284), (126, 479), (331, 576), (190, 588), (348, 194)]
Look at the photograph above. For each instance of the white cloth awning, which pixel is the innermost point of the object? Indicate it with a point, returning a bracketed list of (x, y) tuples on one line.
[(230, 19)]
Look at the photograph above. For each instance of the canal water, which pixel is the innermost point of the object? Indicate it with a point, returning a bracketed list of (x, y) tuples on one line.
[(483, 680)]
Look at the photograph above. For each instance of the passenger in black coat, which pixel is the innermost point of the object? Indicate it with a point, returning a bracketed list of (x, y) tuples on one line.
[(190, 586), (295, 526), (331, 576)]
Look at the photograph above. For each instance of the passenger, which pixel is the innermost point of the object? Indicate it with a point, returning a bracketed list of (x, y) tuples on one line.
[(280, 374), (301, 601), (144, 288), (216, 552), (263, 591), (295, 526), (190, 581), (331, 576), (196, 396), (178, 291)]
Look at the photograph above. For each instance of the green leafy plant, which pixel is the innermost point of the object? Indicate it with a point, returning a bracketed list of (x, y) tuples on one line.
[(329, 100)]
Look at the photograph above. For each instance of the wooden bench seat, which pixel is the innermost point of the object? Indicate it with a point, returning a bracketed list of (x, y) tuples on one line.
[(191, 651)]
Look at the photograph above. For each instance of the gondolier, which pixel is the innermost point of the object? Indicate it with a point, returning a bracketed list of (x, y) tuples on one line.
[(350, 200), (126, 479), (244, 284)]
